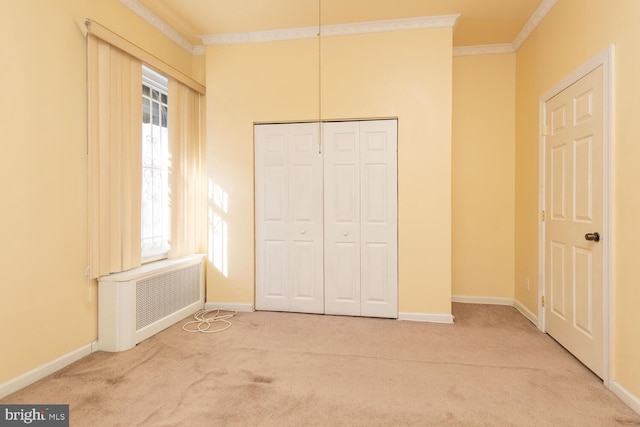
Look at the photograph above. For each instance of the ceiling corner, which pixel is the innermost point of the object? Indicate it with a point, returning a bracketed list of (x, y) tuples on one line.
[(136, 7), (533, 22)]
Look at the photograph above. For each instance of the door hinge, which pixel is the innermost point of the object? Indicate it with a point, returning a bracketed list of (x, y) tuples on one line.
[(543, 300), (545, 130), (543, 215)]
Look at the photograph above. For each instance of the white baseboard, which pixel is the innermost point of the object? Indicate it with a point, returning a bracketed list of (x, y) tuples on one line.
[(482, 300), (426, 317), (237, 306), (526, 312), (49, 368), (629, 399)]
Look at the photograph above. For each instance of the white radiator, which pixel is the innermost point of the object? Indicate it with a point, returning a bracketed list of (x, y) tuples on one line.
[(136, 304)]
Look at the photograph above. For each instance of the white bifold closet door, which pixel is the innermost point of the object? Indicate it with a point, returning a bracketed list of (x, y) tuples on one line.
[(360, 218), (326, 224), (289, 265)]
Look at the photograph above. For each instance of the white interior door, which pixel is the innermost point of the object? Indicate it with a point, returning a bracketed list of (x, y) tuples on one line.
[(289, 239), (360, 201), (574, 213)]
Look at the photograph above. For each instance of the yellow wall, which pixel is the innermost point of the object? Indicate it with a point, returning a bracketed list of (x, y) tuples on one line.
[(45, 311), (246, 83), (404, 74), (569, 36), (483, 176)]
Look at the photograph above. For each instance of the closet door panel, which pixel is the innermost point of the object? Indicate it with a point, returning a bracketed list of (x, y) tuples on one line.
[(305, 210), (288, 182), (302, 270), (379, 189), (271, 158), (275, 271), (342, 218), (346, 286), (374, 273)]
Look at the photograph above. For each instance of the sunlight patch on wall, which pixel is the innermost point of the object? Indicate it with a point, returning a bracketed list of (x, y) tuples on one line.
[(218, 228)]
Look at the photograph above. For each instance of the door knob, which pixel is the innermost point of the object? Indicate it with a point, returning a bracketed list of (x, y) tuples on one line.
[(345, 234), (594, 237), (303, 232)]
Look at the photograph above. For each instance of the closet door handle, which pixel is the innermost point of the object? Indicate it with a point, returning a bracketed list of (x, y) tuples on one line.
[(594, 237), (345, 234)]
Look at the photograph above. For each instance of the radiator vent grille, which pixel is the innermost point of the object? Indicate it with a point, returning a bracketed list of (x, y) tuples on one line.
[(162, 295)]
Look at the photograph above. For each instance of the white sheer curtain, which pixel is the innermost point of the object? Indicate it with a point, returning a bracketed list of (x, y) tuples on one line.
[(186, 171), (115, 132)]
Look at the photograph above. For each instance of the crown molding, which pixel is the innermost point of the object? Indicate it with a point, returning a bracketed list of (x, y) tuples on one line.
[(151, 18), (260, 36), (390, 25), (533, 22), (341, 29), (483, 49), (332, 30)]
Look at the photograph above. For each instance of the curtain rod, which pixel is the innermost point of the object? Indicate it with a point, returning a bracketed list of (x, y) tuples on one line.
[(96, 29)]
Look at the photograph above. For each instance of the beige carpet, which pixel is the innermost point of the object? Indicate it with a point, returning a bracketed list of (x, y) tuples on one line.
[(491, 368)]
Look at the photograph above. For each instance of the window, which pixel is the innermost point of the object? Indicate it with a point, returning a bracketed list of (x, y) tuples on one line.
[(134, 218), (155, 166)]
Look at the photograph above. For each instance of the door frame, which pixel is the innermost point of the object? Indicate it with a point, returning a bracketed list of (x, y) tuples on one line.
[(604, 59)]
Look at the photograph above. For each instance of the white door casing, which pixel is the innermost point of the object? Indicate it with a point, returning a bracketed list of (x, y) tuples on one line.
[(289, 264), (575, 199)]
